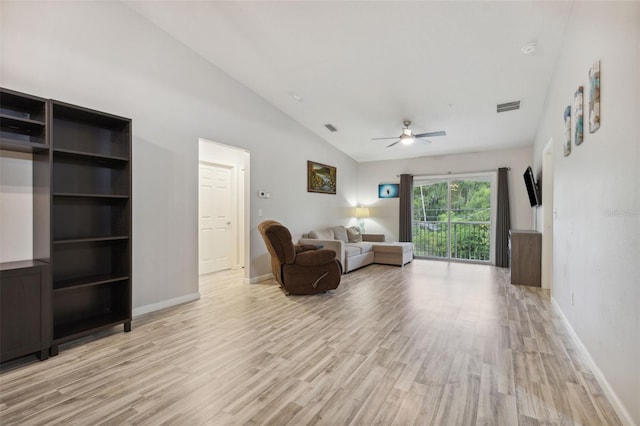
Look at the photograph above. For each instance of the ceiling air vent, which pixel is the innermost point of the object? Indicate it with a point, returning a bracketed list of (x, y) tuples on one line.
[(509, 106), (330, 127)]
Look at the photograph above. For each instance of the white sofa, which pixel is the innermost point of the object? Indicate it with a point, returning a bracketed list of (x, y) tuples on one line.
[(355, 250)]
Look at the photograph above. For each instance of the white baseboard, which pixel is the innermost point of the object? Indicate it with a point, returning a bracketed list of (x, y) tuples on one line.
[(621, 411), (258, 279), (165, 304)]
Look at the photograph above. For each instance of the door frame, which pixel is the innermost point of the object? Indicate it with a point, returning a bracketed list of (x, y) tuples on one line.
[(206, 147), (548, 213)]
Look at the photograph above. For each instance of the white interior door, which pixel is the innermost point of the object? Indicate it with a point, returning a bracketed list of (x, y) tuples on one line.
[(216, 241)]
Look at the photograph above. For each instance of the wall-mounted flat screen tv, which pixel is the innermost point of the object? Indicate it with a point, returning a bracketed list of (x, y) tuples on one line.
[(533, 190)]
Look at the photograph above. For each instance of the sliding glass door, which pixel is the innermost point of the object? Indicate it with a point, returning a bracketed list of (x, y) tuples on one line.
[(452, 218)]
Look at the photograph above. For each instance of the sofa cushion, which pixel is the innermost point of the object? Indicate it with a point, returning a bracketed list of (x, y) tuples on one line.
[(324, 234), (353, 233), (374, 238), (366, 247), (340, 233), (393, 248), (353, 249)]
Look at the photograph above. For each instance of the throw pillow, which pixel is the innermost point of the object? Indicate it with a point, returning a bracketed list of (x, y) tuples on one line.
[(326, 234), (340, 233), (354, 234)]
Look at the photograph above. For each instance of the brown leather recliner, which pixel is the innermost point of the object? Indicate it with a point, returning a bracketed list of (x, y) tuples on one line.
[(300, 269)]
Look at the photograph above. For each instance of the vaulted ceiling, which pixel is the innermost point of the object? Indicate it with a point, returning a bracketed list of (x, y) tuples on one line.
[(365, 67)]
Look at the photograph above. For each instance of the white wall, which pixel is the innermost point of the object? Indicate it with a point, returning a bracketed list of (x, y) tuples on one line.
[(597, 196), (385, 212), (104, 56), (16, 208)]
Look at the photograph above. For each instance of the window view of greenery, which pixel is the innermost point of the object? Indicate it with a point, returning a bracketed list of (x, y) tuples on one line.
[(470, 213)]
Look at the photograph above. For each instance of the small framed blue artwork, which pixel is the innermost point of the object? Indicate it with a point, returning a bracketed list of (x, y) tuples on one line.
[(389, 190)]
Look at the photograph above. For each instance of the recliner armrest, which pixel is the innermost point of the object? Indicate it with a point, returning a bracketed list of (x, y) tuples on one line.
[(315, 257), (336, 245), (301, 248)]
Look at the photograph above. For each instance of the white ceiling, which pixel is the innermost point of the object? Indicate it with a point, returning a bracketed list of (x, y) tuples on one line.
[(367, 66)]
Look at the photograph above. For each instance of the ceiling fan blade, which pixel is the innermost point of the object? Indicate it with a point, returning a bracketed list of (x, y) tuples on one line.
[(379, 139), (425, 140), (430, 134), (389, 146)]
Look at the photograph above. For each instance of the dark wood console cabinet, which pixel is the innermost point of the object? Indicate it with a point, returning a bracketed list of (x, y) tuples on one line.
[(25, 324), (526, 257)]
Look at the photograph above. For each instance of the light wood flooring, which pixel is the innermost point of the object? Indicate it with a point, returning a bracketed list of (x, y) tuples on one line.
[(434, 343)]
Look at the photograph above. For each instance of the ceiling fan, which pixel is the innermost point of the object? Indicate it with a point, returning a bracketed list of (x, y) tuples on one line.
[(407, 137)]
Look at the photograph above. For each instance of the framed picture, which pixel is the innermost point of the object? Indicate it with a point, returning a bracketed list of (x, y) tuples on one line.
[(321, 178), (567, 131), (389, 190), (594, 97), (577, 115)]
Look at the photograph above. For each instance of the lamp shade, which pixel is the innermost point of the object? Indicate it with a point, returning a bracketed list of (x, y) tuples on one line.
[(362, 212)]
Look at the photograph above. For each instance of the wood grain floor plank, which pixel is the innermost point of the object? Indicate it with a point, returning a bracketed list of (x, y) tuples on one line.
[(595, 393), (496, 409), (433, 343), (372, 406)]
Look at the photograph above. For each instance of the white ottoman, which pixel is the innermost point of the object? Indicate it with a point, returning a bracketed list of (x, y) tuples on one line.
[(393, 253)]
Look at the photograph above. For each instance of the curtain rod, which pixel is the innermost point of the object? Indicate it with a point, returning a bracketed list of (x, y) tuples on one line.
[(463, 173)]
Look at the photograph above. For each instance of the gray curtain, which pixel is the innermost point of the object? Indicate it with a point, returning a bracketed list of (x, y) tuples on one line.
[(406, 207), (503, 221)]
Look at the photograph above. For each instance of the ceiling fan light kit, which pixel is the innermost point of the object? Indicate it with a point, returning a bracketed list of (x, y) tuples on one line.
[(407, 137)]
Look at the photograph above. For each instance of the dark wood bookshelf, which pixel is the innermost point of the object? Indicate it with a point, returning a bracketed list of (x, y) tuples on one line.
[(23, 125), (79, 280), (64, 285), (73, 175), (23, 106), (26, 122), (83, 310), (76, 329), (20, 146), (106, 196), (89, 132), (91, 221), (86, 155), (21, 129), (91, 240)]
